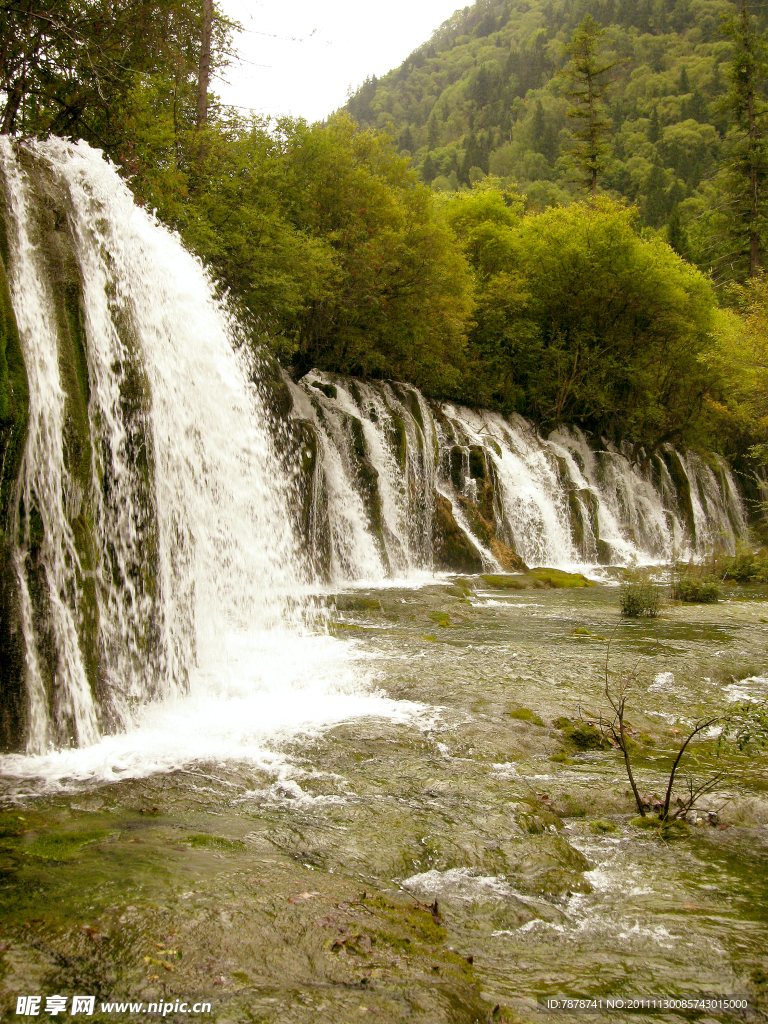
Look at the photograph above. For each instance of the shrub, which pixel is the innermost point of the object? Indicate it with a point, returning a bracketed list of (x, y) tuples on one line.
[(639, 598), (744, 567), (695, 590)]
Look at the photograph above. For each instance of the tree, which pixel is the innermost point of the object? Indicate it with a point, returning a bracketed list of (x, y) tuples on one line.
[(401, 293), (747, 173), (69, 68), (204, 74), (588, 77), (742, 727)]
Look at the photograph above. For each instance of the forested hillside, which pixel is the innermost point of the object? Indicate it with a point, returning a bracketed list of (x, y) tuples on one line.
[(486, 95)]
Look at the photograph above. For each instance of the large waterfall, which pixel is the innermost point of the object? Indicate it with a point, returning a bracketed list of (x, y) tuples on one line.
[(150, 513), (399, 484), (159, 546)]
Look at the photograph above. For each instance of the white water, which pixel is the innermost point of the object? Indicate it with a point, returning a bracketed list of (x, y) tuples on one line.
[(629, 513), (200, 586)]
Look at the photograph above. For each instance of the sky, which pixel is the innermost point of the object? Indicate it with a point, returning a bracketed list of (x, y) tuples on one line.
[(300, 57)]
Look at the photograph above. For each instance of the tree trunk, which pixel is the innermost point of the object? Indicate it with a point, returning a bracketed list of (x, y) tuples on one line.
[(12, 107), (204, 77)]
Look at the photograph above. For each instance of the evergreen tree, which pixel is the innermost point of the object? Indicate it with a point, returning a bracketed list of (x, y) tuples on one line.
[(588, 75), (748, 168)]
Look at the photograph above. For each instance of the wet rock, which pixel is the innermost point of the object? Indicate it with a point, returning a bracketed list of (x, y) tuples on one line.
[(453, 551)]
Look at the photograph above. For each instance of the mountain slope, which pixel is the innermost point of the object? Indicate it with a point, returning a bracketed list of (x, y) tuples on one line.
[(482, 96)]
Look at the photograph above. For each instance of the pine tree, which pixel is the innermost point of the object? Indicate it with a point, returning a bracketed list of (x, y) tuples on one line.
[(747, 175), (588, 75)]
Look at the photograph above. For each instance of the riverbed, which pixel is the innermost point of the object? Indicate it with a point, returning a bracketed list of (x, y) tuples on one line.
[(436, 848)]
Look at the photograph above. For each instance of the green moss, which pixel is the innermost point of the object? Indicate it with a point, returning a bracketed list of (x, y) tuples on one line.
[(584, 736), (399, 438), (526, 715), (602, 827), (452, 548), (329, 390), (538, 579), (202, 840), (683, 488), (441, 618), (60, 846), (557, 579)]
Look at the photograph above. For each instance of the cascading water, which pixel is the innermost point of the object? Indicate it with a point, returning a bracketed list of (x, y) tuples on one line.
[(151, 516), (377, 449), (506, 491)]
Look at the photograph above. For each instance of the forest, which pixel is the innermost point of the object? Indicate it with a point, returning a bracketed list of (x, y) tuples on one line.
[(550, 209)]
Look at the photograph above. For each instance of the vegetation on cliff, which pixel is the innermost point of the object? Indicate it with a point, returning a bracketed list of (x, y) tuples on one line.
[(509, 291)]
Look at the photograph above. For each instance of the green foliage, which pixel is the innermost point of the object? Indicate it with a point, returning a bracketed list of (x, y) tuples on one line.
[(745, 566), (581, 319), (695, 589), (671, 118), (639, 598), (587, 75), (68, 68), (745, 176), (401, 292)]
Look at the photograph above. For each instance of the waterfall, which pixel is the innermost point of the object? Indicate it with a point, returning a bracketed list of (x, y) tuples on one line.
[(151, 514), (394, 473)]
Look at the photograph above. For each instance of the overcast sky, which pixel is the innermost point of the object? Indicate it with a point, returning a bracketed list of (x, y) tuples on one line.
[(300, 57)]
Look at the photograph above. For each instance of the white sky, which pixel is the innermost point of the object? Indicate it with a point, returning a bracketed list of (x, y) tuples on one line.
[(323, 48)]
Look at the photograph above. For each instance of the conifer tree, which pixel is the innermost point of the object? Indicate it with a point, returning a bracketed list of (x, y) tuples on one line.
[(588, 75)]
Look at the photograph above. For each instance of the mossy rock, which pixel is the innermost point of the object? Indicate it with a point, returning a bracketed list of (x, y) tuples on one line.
[(204, 841), (507, 557), (441, 618), (683, 488), (561, 757), (459, 588), (453, 550), (60, 846), (585, 736), (506, 582), (558, 579), (526, 715), (350, 603), (603, 827), (14, 419), (538, 579), (329, 390)]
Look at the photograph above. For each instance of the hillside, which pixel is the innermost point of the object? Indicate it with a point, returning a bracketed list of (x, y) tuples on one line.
[(483, 97)]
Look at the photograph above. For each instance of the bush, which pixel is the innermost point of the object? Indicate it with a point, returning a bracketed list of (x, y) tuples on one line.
[(639, 598), (744, 567), (695, 590)]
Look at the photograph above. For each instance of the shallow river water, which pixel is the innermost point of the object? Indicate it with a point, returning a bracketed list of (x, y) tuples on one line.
[(412, 837)]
